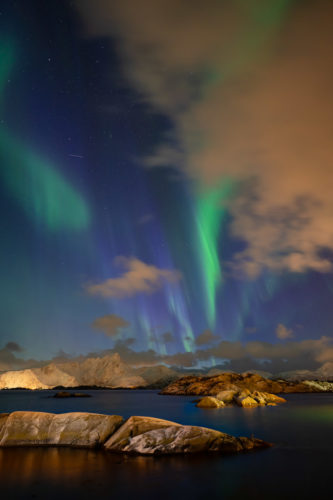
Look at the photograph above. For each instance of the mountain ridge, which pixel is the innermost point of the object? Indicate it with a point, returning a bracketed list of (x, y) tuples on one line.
[(111, 372)]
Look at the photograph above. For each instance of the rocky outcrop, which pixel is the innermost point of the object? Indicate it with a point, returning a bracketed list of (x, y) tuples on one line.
[(135, 426), (320, 385), (249, 399), (3, 420), (210, 402), (152, 436), (186, 439), (227, 396), (248, 402), (242, 397), (211, 386), (138, 435), (66, 394)]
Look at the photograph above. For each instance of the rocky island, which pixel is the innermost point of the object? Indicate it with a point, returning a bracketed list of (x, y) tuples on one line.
[(136, 435), (66, 394), (252, 382)]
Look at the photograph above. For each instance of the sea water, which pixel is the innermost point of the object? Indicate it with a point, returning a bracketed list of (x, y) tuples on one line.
[(298, 466)]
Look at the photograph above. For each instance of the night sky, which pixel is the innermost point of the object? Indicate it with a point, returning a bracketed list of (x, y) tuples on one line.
[(166, 181)]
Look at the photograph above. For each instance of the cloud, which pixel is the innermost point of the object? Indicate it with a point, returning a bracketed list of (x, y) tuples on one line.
[(130, 356), (325, 356), (311, 354), (110, 324), (248, 100), (206, 337), (14, 347), (168, 337), (62, 356), (130, 341), (138, 277), (305, 349), (9, 360), (282, 332), (185, 359)]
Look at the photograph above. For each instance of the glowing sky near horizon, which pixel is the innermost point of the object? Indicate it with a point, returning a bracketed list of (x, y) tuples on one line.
[(75, 195)]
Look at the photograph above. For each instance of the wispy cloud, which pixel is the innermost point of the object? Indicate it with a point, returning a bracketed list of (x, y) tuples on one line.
[(14, 347), (311, 354), (110, 324), (283, 333), (168, 337), (138, 277), (206, 337)]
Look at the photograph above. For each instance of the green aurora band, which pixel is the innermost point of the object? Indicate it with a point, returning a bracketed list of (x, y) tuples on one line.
[(263, 21), (253, 43), (43, 193), (209, 214)]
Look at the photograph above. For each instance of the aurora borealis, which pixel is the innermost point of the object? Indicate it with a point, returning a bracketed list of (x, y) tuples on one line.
[(166, 170)]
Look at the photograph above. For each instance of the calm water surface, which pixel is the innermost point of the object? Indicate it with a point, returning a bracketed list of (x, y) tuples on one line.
[(298, 466)]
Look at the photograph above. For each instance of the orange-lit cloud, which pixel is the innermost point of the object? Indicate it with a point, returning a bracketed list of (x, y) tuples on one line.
[(110, 324), (138, 277), (247, 86), (283, 333), (206, 337)]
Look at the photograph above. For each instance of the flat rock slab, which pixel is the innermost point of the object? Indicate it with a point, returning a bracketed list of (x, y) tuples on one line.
[(88, 430)]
